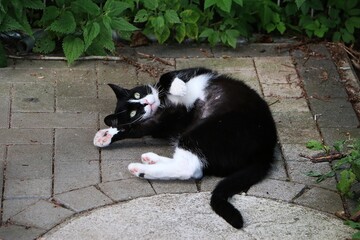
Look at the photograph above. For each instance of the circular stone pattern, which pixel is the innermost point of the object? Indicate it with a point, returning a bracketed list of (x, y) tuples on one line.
[(189, 216)]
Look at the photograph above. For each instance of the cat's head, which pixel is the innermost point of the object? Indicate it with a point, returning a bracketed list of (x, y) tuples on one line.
[(133, 105)]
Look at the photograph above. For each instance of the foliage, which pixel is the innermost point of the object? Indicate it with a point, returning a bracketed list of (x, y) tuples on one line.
[(86, 26), (347, 167)]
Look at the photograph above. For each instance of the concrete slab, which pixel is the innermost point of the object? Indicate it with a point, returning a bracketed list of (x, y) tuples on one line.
[(189, 216)]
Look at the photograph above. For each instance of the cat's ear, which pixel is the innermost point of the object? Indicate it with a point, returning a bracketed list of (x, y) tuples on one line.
[(119, 91)]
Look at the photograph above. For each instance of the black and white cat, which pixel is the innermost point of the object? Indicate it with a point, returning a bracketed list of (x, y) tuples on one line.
[(222, 127)]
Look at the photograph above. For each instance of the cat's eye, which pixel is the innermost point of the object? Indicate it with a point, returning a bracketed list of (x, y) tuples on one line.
[(132, 113), (137, 95)]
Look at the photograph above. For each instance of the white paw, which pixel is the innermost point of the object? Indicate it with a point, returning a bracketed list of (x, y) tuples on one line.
[(178, 87), (149, 158), (103, 137), (136, 169)]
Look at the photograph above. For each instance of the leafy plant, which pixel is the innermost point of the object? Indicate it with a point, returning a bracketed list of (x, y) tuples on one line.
[(83, 26)]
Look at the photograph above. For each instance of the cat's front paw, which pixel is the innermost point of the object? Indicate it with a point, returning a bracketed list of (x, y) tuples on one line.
[(103, 137), (178, 87)]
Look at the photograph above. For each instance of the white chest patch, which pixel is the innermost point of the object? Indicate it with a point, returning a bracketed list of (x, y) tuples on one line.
[(193, 90)]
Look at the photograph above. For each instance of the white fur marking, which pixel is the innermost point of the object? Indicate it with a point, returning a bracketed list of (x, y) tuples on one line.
[(178, 87), (184, 165), (195, 90)]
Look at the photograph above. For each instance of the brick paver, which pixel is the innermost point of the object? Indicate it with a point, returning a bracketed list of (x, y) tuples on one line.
[(49, 114)]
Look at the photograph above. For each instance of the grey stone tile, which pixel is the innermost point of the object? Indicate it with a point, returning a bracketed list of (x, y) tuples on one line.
[(278, 171), (85, 105), (250, 50), (299, 169), (73, 175), (286, 105), (28, 75), (33, 97), (127, 189), (14, 206), (174, 186), (39, 64), (14, 232), (30, 188), (334, 113), (228, 65), (26, 136), (321, 199), (276, 189), (208, 183), (112, 170), (72, 145), (5, 112), (272, 70), (76, 89), (26, 162), (43, 215), (83, 199), (282, 90), (116, 72), (81, 74), (292, 152), (332, 135), (177, 51), (54, 120)]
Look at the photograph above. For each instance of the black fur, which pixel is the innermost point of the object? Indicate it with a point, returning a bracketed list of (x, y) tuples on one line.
[(237, 138)]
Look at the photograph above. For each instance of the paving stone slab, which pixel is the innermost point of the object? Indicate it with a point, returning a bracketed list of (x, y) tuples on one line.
[(26, 162), (43, 215), (332, 135), (334, 113), (177, 51), (39, 64), (5, 112), (54, 120), (83, 199), (278, 171), (72, 145), (33, 97), (77, 174), (225, 65), (286, 105), (29, 188), (298, 173), (292, 151), (321, 199), (250, 50), (28, 76), (14, 232), (127, 189), (174, 186), (276, 189), (26, 136), (85, 104), (112, 170), (77, 88), (116, 72), (12, 207), (208, 183)]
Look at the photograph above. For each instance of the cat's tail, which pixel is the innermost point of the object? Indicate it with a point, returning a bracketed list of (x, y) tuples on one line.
[(238, 182)]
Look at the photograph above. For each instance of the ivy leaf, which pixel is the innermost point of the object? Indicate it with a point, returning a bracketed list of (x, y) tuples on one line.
[(192, 30), (73, 48), (180, 32), (120, 24), (87, 6), (45, 44), (64, 24), (347, 178), (189, 16), (91, 31), (314, 145), (171, 16), (141, 16), (34, 4), (50, 14)]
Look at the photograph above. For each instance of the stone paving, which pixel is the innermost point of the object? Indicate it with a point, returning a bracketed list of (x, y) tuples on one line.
[(49, 113)]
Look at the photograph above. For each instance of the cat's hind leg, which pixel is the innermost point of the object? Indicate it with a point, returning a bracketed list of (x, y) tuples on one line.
[(184, 165), (153, 158)]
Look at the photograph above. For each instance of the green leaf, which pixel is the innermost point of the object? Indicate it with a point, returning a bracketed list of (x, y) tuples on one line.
[(347, 178), (352, 23), (180, 32), (336, 37), (163, 34), (105, 38), (158, 23), (214, 38), (240, 2), (313, 174), (346, 36), (206, 33), (106, 20), (354, 225), (299, 3), (87, 6), (73, 48), (120, 24), (192, 30), (50, 14), (64, 24), (224, 5), (356, 235), (266, 15), (116, 8), (91, 31), (189, 16), (45, 44), (9, 23), (171, 16), (209, 3), (141, 16), (314, 145), (151, 4), (34, 4), (281, 27), (270, 27)]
